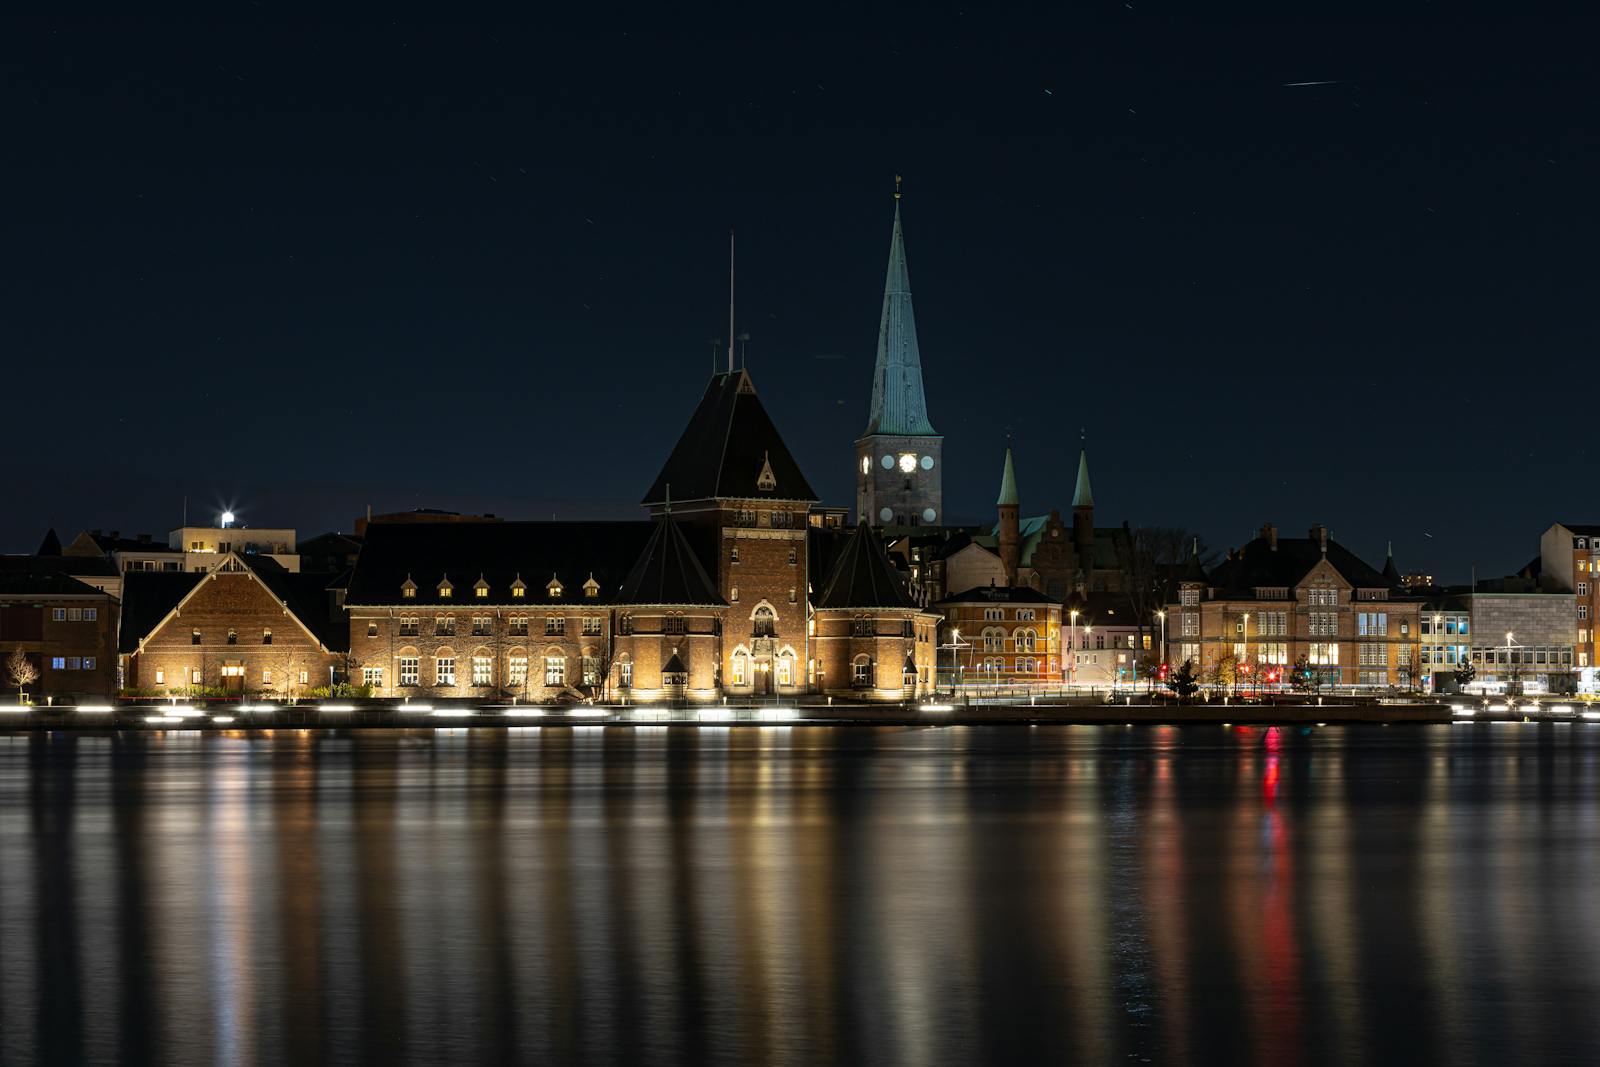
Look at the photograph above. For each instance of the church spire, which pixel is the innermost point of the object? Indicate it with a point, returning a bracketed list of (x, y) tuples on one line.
[(899, 407), (1082, 495), (1008, 484)]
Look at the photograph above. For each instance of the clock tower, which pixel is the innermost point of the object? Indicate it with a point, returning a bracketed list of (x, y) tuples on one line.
[(899, 460)]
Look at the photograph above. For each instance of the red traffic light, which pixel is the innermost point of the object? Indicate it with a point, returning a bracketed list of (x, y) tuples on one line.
[(1163, 672)]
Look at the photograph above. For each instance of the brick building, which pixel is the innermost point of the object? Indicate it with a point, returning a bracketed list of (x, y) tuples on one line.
[(1001, 634), (246, 626), (1283, 601), (872, 639), (63, 627), (1569, 562)]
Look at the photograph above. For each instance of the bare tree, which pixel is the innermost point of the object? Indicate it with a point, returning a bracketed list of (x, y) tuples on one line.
[(1153, 557), (21, 671)]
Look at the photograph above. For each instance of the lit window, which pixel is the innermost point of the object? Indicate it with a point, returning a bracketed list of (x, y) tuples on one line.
[(591, 670), (161, 676), (88, 663), (482, 670), (266, 637), (625, 674), (444, 670), (555, 670), (410, 670), (517, 671), (266, 675), (554, 625), (58, 663), (372, 676)]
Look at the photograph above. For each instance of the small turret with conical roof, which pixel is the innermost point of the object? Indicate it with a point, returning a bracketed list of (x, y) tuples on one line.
[(1390, 572), (1010, 521)]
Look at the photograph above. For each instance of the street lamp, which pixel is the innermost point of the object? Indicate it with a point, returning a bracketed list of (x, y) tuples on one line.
[(1086, 630), (1072, 647), (1247, 645)]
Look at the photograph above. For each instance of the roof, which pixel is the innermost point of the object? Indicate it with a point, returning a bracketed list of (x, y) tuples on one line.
[(500, 553), (863, 576), (1258, 564), (728, 447), (1104, 609), (51, 545), (999, 594), (899, 407), (1193, 571), (1082, 495), (147, 598), (89, 566), (1031, 531), (1008, 484), (1585, 529), (668, 571), (43, 584)]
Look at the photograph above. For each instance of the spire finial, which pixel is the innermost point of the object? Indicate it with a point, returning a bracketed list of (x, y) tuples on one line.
[(897, 181), (730, 301), (668, 506)]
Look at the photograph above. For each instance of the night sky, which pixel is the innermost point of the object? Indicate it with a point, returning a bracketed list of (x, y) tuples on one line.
[(300, 267)]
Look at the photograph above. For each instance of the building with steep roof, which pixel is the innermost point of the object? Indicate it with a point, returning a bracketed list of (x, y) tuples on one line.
[(1283, 602), (64, 628), (872, 639), (669, 622), (899, 458)]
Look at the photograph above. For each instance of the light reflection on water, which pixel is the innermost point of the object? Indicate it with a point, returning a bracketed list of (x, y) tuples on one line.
[(802, 895)]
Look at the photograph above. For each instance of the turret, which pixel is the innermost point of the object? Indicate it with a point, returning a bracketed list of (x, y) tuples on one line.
[(1083, 516), (1010, 524)]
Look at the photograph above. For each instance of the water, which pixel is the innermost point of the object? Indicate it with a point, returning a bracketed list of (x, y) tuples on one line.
[(803, 895)]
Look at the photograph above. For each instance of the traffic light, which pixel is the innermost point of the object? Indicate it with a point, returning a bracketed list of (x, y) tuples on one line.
[(1162, 674)]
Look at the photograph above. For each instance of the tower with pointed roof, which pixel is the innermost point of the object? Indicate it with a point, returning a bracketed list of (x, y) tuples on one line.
[(1009, 506), (1083, 516), (899, 459)]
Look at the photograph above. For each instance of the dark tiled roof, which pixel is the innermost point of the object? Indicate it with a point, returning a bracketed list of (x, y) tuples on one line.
[(863, 576), (1258, 564), (500, 552), (1586, 529), (51, 545), (1104, 609), (307, 596), (999, 594), (668, 571), (42, 584), (147, 596), (115, 543), (94, 566), (728, 442)]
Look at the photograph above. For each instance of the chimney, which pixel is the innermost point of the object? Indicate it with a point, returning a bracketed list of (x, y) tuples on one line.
[(144, 539), (1269, 534), (1319, 534), (115, 534)]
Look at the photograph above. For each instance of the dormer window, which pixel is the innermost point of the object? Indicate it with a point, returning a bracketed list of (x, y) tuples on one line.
[(519, 588), (766, 481), (408, 589), (591, 588), (481, 589), (553, 588), (445, 588)]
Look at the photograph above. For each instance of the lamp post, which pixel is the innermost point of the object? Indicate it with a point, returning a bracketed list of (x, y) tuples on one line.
[(1246, 647), (1072, 647), (1086, 630)]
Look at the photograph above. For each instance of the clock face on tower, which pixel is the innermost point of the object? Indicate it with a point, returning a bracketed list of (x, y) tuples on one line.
[(908, 462)]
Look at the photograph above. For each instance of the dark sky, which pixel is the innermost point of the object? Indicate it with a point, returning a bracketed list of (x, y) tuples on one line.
[(474, 263)]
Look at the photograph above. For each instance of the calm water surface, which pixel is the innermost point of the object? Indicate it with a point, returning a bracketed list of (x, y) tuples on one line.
[(803, 895)]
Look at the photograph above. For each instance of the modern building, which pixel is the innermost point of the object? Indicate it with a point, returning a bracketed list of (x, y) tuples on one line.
[(1523, 638), (244, 626), (899, 459), (201, 545), (1281, 603), (64, 629), (139, 553)]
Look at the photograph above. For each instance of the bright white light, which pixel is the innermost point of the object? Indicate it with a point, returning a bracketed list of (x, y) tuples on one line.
[(1465, 713), (222, 718), (95, 708), (715, 715), (227, 518), (1499, 707), (777, 714), (1591, 715), (523, 713), (937, 707), (161, 718), (1561, 709), (336, 707), (14, 707), (454, 713), (258, 707), (413, 707), (588, 713)]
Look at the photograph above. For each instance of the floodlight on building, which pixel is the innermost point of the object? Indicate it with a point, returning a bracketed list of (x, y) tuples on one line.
[(227, 519)]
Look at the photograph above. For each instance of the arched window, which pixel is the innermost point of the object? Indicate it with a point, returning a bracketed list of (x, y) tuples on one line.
[(861, 672), (784, 668), (764, 621), (1025, 639), (739, 671), (994, 639)]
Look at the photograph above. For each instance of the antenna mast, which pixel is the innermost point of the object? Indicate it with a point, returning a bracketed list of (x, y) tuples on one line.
[(730, 301)]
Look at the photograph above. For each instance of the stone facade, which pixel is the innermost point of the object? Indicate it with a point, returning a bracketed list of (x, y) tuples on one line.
[(889, 494)]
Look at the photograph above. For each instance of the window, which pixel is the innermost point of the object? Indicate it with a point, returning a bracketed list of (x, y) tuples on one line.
[(408, 626), (555, 625), (792, 594), (1583, 611), (517, 671), (861, 671), (266, 637), (861, 628), (1191, 624), (591, 589), (733, 595), (445, 625), (445, 589), (784, 670), (1427, 626), (744, 517), (625, 674), (519, 625), (782, 520), (739, 669), (74, 614), (793, 557), (1374, 678), (1272, 652), (372, 676), (266, 674), (1189, 596), (482, 670), (1324, 624), (481, 625), (1324, 655), (555, 670), (908, 628), (994, 639), (733, 554), (673, 624), (1372, 623), (372, 629), (519, 591), (1272, 623), (194, 638), (1323, 597), (233, 637), (591, 625), (1025, 639), (58, 663), (444, 670), (194, 676), (409, 670), (1583, 588), (91, 614), (481, 591), (58, 614), (765, 622), (993, 614), (1372, 655), (625, 624), (161, 676), (590, 666), (408, 591), (88, 663), (1024, 614)]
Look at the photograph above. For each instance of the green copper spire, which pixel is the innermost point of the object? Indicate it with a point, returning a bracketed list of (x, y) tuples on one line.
[(898, 405), (1008, 484), (1083, 496)]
